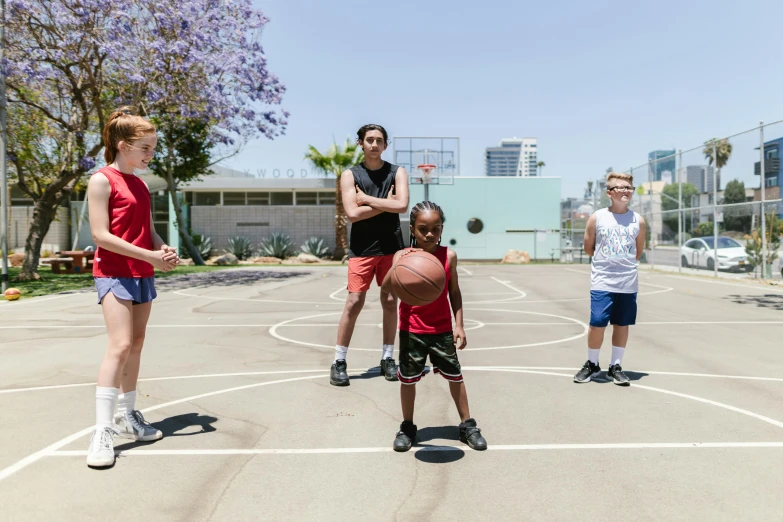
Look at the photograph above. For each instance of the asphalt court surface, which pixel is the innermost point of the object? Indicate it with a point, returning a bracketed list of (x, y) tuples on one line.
[(235, 373)]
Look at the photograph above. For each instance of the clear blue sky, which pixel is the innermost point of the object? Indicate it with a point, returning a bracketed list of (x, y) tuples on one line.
[(598, 83)]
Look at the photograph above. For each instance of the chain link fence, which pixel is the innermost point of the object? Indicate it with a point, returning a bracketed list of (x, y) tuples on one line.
[(724, 192)]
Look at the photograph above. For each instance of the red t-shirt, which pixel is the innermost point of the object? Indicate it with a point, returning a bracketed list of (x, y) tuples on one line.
[(434, 318), (129, 219)]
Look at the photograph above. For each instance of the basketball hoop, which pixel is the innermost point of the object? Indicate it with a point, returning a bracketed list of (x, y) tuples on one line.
[(426, 169)]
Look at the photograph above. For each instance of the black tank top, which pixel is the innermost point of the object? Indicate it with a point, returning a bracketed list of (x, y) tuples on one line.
[(379, 235)]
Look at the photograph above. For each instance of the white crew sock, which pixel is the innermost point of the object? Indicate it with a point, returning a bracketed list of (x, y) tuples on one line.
[(617, 355), (126, 402), (592, 355), (105, 402), (388, 351), (340, 352)]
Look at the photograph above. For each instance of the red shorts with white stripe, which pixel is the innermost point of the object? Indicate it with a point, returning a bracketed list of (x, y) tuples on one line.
[(416, 347)]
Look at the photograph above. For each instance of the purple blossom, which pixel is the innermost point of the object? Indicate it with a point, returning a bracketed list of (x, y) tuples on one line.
[(86, 163)]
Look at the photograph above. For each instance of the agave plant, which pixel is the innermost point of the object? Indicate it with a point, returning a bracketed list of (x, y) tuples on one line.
[(276, 245), (240, 247), (315, 247), (202, 243)]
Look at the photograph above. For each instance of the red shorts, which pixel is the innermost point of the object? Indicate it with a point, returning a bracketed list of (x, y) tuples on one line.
[(361, 270)]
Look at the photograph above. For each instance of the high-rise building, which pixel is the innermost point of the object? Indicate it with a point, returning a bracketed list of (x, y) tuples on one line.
[(662, 161), (700, 176), (512, 157)]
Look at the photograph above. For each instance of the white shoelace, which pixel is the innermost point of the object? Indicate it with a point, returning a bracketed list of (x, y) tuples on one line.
[(106, 441)]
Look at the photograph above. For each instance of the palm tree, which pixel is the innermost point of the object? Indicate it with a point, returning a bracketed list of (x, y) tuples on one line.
[(723, 148), (335, 161), (540, 165)]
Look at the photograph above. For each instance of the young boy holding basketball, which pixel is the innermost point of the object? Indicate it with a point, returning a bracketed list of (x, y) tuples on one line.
[(427, 331), (374, 193), (614, 237)]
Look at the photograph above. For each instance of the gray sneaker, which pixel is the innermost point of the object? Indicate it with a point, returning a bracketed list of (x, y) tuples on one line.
[(101, 451), (133, 425)]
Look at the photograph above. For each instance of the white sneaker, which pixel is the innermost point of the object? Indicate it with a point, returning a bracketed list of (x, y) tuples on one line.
[(101, 451), (133, 425)]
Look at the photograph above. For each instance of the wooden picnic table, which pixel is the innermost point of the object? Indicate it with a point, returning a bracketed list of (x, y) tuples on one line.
[(73, 262)]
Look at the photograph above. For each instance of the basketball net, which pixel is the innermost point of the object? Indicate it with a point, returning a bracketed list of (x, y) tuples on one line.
[(426, 171)]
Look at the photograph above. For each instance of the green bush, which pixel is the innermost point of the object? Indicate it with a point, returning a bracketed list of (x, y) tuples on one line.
[(703, 229)]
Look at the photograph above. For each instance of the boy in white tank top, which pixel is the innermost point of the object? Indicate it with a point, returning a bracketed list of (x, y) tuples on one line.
[(614, 237)]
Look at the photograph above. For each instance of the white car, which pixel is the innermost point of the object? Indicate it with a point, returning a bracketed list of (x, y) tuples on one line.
[(700, 253)]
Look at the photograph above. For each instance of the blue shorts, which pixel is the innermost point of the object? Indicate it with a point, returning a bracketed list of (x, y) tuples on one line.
[(137, 289), (606, 307)]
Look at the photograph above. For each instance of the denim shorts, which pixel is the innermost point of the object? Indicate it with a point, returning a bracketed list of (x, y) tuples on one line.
[(137, 289), (618, 308)]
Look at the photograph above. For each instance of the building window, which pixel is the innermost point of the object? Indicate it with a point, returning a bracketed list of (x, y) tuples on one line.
[(206, 199), (258, 198), (234, 198), (307, 198), (282, 198), (326, 198)]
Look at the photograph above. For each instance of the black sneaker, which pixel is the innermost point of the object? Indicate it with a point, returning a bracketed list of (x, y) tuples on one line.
[(389, 369), (471, 435), (588, 371), (339, 374), (405, 437), (616, 373)]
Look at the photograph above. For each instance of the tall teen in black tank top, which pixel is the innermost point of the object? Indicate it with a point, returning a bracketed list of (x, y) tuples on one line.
[(379, 235)]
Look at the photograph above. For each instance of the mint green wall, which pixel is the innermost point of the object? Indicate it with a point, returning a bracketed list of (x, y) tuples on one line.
[(501, 204)]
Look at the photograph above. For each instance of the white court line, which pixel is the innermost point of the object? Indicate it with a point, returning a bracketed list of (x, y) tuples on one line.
[(661, 390), (468, 272), (332, 325), (476, 368), (274, 333), (414, 449), (650, 372), (31, 459), (174, 378), (38, 455), (505, 283), (333, 295), (185, 294), (701, 279)]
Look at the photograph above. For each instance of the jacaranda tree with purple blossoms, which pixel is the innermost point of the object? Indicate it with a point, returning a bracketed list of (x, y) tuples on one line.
[(196, 67), (204, 81), (57, 52)]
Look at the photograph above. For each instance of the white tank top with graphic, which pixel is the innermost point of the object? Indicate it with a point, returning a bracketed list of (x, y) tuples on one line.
[(614, 267)]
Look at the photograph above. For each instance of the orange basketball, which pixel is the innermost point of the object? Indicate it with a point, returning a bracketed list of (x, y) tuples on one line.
[(12, 294), (418, 278)]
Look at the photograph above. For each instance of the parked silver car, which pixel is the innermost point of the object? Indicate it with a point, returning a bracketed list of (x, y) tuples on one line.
[(700, 253)]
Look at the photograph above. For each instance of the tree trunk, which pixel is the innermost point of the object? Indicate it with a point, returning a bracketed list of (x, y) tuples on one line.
[(43, 214), (181, 226), (340, 225)]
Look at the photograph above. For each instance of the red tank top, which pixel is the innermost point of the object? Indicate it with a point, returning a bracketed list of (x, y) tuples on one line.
[(129, 219), (434, 318)]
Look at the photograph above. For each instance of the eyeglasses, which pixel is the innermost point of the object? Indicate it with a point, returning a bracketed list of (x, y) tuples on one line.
[(622, 189)]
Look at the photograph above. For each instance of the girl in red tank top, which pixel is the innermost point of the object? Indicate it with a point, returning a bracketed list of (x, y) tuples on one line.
[(426, 331), (128, 251)]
